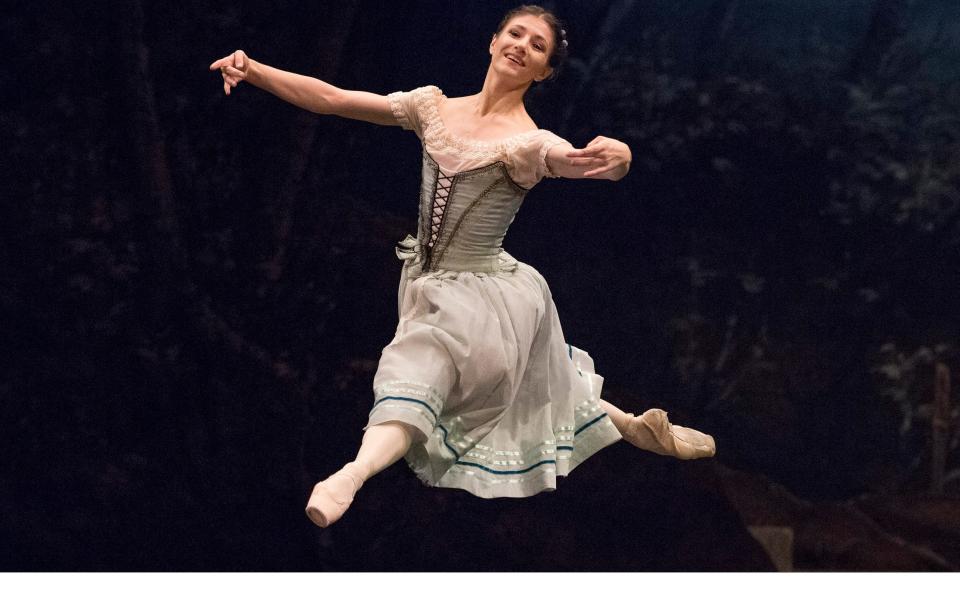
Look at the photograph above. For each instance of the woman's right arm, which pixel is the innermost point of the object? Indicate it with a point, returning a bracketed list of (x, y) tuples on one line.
[(308, 93)]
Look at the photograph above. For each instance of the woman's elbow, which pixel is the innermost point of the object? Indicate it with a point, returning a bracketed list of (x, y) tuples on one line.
[(326, 99)]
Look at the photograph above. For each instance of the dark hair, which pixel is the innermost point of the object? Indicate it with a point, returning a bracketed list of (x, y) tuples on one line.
[(560, 52)]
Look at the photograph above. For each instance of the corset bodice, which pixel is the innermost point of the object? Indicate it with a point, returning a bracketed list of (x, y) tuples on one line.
[(463, 218)]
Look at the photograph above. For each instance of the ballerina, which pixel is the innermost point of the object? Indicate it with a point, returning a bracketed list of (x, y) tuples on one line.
[(478, 389)]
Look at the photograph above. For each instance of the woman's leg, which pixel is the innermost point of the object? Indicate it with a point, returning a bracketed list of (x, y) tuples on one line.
[(653, 431), (620, 419), (382, 445)]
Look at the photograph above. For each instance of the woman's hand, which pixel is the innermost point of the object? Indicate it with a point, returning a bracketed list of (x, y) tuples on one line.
[(607, 157), (234, 69)]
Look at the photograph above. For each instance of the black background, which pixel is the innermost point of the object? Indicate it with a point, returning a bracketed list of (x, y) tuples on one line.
[(195, 288)]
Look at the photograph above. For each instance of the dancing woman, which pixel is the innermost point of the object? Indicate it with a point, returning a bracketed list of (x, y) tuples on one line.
[(478, 389)]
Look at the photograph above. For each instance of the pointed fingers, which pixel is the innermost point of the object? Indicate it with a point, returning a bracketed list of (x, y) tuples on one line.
[(587, 162), (600, 171), (583, 152)]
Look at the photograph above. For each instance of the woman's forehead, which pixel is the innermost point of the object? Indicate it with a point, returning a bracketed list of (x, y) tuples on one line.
[(536, 25)]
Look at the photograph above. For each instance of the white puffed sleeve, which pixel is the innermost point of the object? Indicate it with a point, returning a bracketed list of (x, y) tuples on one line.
[(527, 159), (408, 107), (547, 140)]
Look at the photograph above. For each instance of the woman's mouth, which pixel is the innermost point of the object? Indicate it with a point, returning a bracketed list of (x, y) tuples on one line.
[(515, 60)]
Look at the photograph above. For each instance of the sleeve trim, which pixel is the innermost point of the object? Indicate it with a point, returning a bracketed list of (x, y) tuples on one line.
[(550, 142), (396, 107)]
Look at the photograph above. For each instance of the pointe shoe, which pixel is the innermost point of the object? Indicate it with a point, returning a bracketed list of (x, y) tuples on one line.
[(330, 500), (653, 431)]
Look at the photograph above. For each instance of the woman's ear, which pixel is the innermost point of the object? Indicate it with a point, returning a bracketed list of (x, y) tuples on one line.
[(545, 74), (492, 42)]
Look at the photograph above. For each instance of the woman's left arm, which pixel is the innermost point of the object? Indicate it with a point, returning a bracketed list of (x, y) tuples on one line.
[(602, 158)]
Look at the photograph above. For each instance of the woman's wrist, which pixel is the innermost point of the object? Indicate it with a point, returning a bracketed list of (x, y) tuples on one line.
[(255, 75)]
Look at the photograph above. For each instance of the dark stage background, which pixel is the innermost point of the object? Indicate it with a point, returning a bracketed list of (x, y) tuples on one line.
[(195, 288)]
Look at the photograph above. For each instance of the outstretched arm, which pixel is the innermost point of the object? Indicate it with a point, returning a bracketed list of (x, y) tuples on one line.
[(602, 158), (308, 93)]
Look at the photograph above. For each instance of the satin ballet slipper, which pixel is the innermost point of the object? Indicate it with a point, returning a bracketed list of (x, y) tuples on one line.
[(333, 496), (652, 431)]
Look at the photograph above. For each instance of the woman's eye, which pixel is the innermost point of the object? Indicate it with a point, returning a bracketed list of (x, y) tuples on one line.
[(514, 33)]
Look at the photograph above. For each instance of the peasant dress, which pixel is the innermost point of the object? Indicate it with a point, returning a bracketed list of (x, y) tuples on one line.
[(501, 404)]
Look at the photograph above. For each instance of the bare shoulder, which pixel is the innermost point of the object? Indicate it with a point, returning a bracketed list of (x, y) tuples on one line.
[(455, 107), (528, 123)]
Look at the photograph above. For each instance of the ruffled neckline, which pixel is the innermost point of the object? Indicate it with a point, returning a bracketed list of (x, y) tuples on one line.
[(436, 128)]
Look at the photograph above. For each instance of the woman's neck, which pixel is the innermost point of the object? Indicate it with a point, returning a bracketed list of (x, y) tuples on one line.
[(499, 97)]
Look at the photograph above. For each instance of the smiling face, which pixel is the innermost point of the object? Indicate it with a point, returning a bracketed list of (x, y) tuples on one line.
[(522, 49)]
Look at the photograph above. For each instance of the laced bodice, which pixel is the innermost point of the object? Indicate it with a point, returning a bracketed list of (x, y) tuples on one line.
[(470, 190)]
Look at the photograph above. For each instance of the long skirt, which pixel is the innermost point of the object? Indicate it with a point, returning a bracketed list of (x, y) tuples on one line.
[(501, 403)]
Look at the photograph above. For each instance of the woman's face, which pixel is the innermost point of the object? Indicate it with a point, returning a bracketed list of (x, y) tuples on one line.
[(522, 48)]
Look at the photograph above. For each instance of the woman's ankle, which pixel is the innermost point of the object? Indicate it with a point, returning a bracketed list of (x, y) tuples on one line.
[(359, 468)]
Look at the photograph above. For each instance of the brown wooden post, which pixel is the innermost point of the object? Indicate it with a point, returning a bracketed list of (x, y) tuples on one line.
[(940, 426)]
